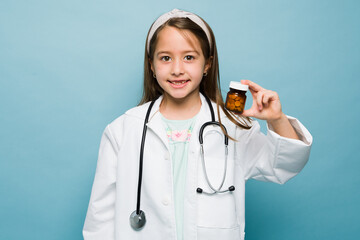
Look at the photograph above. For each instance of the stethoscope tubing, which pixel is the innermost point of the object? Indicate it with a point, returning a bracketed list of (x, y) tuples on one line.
[(142, 158), (137, 218)]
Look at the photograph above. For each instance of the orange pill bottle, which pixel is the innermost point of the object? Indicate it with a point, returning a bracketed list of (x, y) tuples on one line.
[(236, 98)]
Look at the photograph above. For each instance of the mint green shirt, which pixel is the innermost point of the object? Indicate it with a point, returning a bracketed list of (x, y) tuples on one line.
[(179, 133)]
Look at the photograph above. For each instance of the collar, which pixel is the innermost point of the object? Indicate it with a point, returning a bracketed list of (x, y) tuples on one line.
[(155, 122)]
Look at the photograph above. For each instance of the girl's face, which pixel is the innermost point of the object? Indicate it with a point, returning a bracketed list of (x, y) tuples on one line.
[(178, 64)]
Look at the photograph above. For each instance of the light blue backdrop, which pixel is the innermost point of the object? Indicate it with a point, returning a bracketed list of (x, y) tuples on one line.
[(68, 68)]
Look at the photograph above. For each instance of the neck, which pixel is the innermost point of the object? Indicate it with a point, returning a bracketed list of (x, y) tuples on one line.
[(180, 109)]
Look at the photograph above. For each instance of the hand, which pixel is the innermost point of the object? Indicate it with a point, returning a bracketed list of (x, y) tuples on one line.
[(267, 106), (266, 103)]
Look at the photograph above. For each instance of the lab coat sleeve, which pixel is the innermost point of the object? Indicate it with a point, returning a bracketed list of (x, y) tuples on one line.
[(273, 158), (99, 222)]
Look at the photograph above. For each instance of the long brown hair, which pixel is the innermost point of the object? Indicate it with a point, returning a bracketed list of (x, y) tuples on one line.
[(210, 84)]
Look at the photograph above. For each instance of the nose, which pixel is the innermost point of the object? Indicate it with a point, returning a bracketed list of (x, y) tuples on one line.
[(177, 68)]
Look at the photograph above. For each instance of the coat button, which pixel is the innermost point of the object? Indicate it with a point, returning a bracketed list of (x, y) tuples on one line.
[(167, 156), (166, 200)]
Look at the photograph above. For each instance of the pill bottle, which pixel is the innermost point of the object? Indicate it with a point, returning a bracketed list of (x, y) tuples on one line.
[(235, 98)]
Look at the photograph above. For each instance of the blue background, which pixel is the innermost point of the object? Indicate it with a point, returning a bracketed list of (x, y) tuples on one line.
[(68, 68)]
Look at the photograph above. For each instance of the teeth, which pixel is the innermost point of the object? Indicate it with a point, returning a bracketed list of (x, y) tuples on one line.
[(179, 82)]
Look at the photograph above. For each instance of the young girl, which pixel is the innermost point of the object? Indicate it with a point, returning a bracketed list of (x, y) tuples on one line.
[(154, 180)]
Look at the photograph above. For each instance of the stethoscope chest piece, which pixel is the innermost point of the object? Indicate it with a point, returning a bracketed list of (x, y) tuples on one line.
[(137, 221)]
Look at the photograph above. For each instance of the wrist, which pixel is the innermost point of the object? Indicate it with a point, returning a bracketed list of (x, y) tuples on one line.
[(283, 127), (278, 121)]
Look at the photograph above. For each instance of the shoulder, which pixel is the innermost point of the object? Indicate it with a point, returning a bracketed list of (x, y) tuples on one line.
[(132, 118), (133, 114), (138, 111)]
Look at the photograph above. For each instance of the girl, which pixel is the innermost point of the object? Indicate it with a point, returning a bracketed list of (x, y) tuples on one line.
[(188, 190)]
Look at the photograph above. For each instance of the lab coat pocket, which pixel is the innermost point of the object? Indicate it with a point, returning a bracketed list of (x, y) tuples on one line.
[(217, 211), (234, 233)]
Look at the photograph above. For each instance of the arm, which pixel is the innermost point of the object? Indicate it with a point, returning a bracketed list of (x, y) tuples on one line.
[(99, 222), (272, 158)]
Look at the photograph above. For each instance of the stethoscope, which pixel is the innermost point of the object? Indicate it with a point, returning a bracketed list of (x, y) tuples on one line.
[(137, 218)]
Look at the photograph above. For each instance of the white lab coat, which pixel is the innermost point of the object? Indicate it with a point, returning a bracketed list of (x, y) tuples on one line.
[(221, 216)]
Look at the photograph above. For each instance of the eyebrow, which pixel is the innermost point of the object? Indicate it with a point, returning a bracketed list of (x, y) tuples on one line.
[(168, 52)]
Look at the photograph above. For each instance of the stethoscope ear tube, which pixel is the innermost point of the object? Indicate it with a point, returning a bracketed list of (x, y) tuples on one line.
[(213, 122)]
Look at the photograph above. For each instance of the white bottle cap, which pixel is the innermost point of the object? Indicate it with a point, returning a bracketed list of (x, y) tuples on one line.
[(239, 86)]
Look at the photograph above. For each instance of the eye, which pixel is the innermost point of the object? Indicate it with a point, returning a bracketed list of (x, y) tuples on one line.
[(189, 58), (165, 58)]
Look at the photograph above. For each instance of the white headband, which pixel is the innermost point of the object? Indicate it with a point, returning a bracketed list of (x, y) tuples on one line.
[(176, 13)]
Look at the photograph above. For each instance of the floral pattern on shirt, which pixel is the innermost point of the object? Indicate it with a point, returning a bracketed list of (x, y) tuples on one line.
[(179, 135)]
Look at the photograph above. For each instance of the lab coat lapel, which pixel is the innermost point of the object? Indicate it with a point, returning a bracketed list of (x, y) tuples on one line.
[(155, 123)]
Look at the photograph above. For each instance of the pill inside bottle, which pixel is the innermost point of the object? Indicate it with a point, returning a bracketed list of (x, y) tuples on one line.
[(236, 98)]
